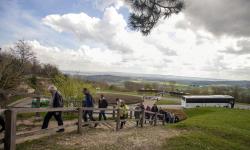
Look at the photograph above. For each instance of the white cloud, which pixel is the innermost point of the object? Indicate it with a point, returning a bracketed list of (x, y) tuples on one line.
[(106, 44)]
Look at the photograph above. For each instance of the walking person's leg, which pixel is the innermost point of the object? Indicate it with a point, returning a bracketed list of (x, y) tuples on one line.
[(100, 116), (2, 123), (104, 115), (58, 117), (46, 120), (122, 122), (85, 112), (90, 113)]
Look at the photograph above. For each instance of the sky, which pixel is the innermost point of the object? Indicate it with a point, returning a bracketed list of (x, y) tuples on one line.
[(208, 39)]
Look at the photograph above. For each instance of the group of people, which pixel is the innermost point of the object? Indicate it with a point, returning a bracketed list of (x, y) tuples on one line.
[(88, 101)]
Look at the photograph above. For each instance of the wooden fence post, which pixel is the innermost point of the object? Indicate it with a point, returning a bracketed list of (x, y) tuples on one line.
[(80, 115), (10, 133), (113, 114), (143, 117), (118, 122), (131, 114)]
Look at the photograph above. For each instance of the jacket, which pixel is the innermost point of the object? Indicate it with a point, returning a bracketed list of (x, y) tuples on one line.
[(124, 111), (57, 100), (88, 101), (102, 103), (154, 109)]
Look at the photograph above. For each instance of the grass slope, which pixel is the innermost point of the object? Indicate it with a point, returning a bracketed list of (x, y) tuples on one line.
[(212, 128)]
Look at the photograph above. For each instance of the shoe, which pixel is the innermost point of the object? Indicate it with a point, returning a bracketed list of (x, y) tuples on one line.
[(95, 125), (60, 130)]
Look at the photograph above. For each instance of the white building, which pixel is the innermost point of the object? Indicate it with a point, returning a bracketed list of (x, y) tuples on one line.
[(192, 101)]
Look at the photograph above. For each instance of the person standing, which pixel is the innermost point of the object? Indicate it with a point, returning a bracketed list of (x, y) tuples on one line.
[(102, 103), (138, 113), (56, 101), (155, 110), (123, 113), (89, 103)]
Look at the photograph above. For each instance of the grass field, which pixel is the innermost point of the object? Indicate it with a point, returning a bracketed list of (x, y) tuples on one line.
[(167, 102), (212, 128), (205, 129)]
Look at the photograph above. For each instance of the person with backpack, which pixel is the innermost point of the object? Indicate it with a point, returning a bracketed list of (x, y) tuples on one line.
[(102, 103), (88, 102), (56, 101)]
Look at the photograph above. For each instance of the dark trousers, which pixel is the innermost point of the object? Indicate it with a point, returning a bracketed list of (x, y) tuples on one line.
[(2, 123), (102, 114), (88, 113), (122, 122), (58, 117)]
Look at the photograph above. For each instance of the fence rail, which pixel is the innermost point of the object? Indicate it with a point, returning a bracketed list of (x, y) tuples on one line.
[(11, 120)]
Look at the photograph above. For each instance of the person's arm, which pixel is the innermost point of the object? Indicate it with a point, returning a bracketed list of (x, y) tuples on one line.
[(106, 103)]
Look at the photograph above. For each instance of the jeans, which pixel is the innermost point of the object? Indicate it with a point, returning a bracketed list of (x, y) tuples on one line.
[(102, 114), (90, 114), (58, 117)]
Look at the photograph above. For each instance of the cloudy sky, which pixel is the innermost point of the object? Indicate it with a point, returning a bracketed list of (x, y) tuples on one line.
[(210, 38)]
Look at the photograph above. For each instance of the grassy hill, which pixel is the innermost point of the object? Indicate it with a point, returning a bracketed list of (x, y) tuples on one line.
[(206, 128), (213, 128)]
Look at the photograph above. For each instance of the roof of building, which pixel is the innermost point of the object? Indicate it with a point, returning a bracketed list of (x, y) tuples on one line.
[(208, 97)]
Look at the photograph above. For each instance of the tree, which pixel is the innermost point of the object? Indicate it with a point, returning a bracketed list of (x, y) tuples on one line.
[(50, 70), (146, 13), (23, 51), (71, 88)]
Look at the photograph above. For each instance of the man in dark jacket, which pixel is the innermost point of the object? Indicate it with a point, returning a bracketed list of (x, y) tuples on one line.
[(102, 103), (155, 110), (88, 102), (57, 101)]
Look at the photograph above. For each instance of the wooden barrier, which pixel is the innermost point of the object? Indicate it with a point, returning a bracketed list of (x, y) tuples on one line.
[(11, 119)]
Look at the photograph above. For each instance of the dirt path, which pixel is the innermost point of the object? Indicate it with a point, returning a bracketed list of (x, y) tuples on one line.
[(147, 138)]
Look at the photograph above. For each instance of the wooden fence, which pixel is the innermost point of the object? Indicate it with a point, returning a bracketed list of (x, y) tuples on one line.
[(11, 120)]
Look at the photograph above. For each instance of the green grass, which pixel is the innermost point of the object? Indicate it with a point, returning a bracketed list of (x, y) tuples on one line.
[(212, 128), (167, 102)]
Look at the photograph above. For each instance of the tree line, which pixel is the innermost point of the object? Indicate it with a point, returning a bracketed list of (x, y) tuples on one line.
[(18, 62)]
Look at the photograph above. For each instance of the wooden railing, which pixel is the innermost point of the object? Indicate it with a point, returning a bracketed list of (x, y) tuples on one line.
[(11, 120)]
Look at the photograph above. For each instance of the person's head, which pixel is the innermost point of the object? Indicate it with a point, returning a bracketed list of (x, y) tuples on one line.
[(155, 105), (102, 95), (52, 89), (117, 99), (122, 102), (85, 91)]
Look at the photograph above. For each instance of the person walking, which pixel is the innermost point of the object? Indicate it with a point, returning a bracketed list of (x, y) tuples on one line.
[(102, 103), (155, 110), (138, 113), (89, 103), (123, 113), (147, 115), (56, 101)]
